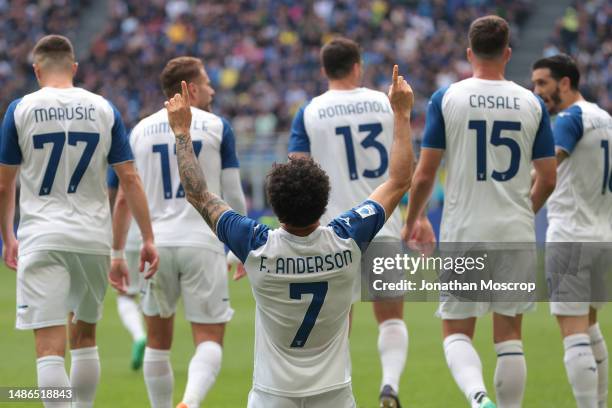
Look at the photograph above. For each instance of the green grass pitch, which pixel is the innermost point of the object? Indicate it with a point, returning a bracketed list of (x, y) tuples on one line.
[(426, 382)]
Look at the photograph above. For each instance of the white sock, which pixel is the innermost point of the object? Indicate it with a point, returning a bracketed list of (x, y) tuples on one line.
[(465, 366), (203, 370), (52, 373), (600, 352), (581, 369), (130, 315), (393, 348), (84, 376), (510, 374), (158, 377)]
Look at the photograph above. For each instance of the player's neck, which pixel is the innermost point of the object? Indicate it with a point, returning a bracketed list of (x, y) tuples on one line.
[(572, 98), (300, 231), (57, 82), (342, 85), (492, 72)]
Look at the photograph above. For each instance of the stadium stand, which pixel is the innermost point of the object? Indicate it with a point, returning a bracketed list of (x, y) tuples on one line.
[(262, 56), (24, 22)]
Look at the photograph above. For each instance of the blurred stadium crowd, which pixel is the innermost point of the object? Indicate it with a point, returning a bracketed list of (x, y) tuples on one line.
[(262, 55)]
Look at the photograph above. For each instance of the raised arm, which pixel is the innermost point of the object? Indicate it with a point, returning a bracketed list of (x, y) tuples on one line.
[(209, 205), (389, 193)]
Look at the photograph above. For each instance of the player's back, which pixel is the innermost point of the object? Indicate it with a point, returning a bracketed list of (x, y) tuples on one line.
[(174, 219), (580, 209), (490, 131), (303, 290), (349, 133), (64, 139)]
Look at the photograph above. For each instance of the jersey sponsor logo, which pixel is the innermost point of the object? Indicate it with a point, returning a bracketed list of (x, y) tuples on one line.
[(366, 211)]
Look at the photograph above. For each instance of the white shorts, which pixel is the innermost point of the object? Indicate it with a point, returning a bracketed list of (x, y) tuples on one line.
[(340, 398), (576, 277), (51, 284), (132, 258), (199, 275), (502, 266)]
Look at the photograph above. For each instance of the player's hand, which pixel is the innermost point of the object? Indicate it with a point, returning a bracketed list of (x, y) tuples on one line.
[(400, 94), (148, 255), (10, 251), (422, 238), (240, 272), (179, 111), (118, 276)]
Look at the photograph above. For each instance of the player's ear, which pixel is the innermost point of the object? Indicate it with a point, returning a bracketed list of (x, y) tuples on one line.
[(192, 88), (323, 73), (469, 54), (37, 72), (75, 68), (564, 84), (507, 54)]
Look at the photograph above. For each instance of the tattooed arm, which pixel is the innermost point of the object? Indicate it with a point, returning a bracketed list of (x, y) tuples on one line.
[(209, 205)]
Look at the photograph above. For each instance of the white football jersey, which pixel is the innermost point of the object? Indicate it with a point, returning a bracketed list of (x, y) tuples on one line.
[(63, 140), (176, 223), (349, 133), (580, 209), (490, 131), (303, 291)]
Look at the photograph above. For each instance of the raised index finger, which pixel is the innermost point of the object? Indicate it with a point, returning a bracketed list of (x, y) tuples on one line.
[(185, 92), (395, 80)]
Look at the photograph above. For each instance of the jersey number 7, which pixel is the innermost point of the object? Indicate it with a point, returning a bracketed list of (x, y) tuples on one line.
[(318, 290), (58, 139)]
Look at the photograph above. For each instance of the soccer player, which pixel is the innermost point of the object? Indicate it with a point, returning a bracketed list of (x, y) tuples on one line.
[(579, 210), (302, 273), (62, 139), (192, 259), (127, 304), (348, 130), (490, 132)]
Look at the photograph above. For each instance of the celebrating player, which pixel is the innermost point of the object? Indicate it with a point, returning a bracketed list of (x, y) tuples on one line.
[(490, 132), (302, 273), (348, 130), (192, 259), (579, 210), (62, 139)]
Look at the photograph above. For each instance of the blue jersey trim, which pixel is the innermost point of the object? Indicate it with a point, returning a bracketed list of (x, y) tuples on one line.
[(360, 223), (241, 234), (10, 152), (120, 150), (298, 140), (228, 147), (543, 144), (568, 129), (434, 135)]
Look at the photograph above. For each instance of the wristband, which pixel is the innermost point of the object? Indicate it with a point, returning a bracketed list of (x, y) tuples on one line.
[(117, 254)]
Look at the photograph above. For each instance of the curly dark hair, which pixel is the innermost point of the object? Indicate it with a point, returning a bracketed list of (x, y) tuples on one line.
[(298, 191)]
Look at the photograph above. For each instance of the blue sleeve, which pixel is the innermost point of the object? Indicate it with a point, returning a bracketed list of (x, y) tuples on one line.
[(298, 140), (543, 145), (434, 135), (241, 234), (112, 181), (228, 147), (120, 150), (568, 128), (10, 152), (361, 223)]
